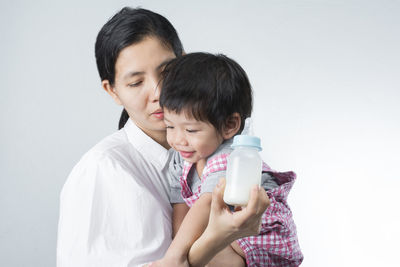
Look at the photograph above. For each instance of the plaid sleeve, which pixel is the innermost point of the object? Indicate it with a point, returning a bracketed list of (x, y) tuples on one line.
[(277, 243), (268, 181)]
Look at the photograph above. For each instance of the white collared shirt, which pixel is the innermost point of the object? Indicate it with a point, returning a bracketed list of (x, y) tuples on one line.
[(114, 206)]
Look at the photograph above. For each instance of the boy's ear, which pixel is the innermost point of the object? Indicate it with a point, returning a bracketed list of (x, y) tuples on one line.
[(111, 91), (232, 126)]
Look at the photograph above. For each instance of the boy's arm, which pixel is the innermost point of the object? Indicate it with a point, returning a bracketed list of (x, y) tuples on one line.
[(178, 214), (190, 229)]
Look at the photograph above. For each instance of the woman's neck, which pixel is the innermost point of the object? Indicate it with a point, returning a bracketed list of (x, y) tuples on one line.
[(158, 136), (161, 138)]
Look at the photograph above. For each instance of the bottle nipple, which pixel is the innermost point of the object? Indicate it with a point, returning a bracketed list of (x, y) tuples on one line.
[(248, 127), (247, 138)]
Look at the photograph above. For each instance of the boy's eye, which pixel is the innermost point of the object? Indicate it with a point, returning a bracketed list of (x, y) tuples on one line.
[(191, 131), (136, 84), (170, 127)]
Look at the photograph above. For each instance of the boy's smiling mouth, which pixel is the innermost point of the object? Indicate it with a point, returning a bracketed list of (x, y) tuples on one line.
[(186, 154)]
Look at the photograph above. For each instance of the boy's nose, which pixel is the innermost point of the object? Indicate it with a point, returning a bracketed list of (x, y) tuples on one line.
[(180, 139)]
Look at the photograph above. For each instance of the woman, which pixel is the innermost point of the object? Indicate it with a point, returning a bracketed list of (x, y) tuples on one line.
[(115, 208)]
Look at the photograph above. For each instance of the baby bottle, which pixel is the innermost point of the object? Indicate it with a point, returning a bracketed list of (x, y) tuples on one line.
[(244, 167)]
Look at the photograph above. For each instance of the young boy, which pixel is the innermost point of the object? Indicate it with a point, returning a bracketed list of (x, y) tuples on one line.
[(206, 99)]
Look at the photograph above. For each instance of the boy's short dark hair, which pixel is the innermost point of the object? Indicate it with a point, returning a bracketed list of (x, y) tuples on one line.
[(127, 27), (207, 87)]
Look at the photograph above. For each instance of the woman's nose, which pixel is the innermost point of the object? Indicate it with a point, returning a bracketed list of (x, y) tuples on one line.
[(154, 88)]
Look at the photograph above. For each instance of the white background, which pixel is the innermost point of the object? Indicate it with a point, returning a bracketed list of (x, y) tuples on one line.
[(326, 87)]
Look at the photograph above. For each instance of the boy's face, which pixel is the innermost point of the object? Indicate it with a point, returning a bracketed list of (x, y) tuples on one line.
[(194, 140)]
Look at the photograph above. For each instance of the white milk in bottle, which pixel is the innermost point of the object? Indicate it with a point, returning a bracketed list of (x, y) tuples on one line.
[(244, 169)]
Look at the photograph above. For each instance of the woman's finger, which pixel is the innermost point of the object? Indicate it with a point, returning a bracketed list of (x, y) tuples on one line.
[(251, 209), (263, 201), (217, 203), (253, 204)]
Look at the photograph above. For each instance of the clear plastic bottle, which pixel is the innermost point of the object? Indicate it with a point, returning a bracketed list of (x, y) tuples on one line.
[(244, 169)]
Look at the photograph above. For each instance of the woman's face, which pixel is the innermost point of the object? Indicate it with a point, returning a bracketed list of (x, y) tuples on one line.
[(137, 75)]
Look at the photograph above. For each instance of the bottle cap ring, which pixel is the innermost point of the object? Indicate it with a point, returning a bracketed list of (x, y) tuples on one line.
[(247, 140)]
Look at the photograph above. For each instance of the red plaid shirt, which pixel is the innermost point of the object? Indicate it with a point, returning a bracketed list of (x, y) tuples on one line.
[(277, 243)]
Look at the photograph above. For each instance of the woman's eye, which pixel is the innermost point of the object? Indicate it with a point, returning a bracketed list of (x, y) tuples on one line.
[(191, 131), (170, 127), (136, 84)]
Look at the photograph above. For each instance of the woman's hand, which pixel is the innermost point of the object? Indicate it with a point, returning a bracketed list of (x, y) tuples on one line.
[(225, 226), (244, 221)]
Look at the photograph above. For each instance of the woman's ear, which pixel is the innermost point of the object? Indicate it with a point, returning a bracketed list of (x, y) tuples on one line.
[(111, 91), (232, 126)]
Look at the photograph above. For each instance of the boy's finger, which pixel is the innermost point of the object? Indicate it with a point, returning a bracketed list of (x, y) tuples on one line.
[(238, 208)]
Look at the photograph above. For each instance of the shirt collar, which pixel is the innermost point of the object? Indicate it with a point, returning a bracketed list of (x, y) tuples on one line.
[(150, 149), (224, 148)]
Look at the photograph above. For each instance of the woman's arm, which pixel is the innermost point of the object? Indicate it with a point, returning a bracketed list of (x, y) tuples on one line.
[(103, 207)]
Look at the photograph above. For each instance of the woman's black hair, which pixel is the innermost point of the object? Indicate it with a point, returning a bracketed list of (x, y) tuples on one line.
[(127, 27), (207, 87)]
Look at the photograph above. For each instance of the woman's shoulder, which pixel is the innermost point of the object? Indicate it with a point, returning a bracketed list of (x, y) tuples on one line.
[(113, 148), (111, 157), (115, 141)]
